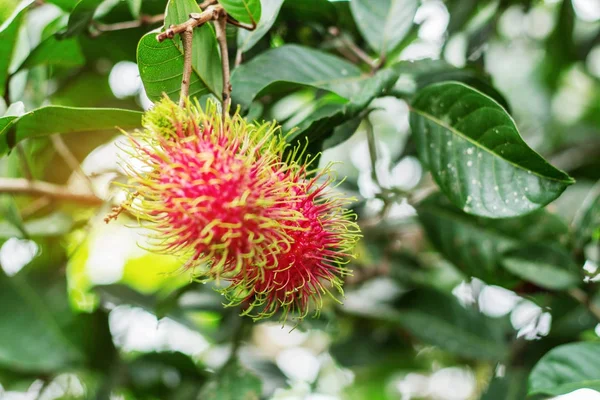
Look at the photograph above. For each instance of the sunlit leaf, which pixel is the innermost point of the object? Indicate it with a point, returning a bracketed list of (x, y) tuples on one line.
[(80, 17), (384, 23), (8, 39), (161, 64), (246, 11), (298, 66), (476, 155), (247, 39), (57, 119)]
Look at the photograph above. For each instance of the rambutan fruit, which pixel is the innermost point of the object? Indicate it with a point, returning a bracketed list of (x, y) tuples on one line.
[(216, 196)]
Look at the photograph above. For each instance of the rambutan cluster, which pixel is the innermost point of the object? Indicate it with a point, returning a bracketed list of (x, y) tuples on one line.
[(226, 199)]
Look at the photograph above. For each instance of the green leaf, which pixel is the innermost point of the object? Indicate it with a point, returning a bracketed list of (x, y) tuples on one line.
[(587, 221), (384, 23), (34, 336), (320, 11), (10, 212), (122, 294), (437, 318), (135, 7), (549, 267), (512, 386), (246, 11), (336, 119), (247, 39), (476, 155), (297, 65), (565, 369), (206, 59), (8, 39), (233, 382), (57, 119), (147, 373), (161, 64), (64, 53), (475, 245), (67, 5), (415, 75), (80, 17)]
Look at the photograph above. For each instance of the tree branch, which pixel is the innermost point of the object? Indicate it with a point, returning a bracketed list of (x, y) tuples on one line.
[(235, 22), (210, 14), (357, 51), (206, 3), (21, 186), (220, 29), (186, 39), (142, 21)]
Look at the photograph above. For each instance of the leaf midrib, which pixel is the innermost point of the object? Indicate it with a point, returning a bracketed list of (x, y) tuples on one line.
[(487, 150)]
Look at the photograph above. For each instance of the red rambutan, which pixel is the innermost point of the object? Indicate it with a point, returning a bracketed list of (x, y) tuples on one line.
[(213, 195), (227, 200), (321, 244)]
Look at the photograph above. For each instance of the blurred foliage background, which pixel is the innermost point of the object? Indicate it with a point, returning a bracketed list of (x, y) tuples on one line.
[(442, 305)]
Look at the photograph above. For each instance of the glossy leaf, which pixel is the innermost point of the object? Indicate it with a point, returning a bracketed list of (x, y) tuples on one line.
[(206, 60), (80, 17), (439, 319), (247, 39), (233, 382), (52, 51), (246, 11), (475, 244), (384, 23), (8, 39), (161, 64), (549, 267), (297, 66), (476, 155), (565, 369), (57, 119)]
